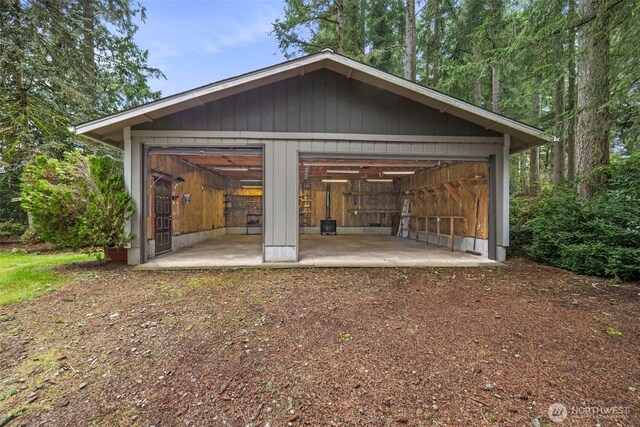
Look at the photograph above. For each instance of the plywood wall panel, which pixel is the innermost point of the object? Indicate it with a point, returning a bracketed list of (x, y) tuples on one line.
[(352, 203), (205, 211), (442, 203)]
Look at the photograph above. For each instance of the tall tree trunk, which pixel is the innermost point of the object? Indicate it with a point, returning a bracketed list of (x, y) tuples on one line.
[(340, 26), (410, 41), (570, 104), (20, 91), (534, 153), (477, 92), (593, 92), (558, 146), (437, 23), (522, 173), (495, 88), (88, 23)]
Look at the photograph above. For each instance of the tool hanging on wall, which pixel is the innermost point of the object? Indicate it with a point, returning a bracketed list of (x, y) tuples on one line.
[(475, 231), (403, 229)]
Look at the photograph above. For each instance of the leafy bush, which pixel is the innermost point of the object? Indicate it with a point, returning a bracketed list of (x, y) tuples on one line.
[(600, 236), (78, 202), (10, 229), (31, 236)]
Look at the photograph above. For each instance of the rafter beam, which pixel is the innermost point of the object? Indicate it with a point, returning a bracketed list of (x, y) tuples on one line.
[(454, 193)]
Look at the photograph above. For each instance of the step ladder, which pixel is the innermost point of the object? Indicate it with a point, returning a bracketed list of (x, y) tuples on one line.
[(304, 205), (403, 229)]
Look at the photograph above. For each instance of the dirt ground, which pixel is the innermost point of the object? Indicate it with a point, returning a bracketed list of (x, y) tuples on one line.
[(323, 347)]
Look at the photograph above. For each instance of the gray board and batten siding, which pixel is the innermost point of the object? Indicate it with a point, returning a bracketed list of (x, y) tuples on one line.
[(318, 102)]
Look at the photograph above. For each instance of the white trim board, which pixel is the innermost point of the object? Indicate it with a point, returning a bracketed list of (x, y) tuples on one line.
[(315, 136)]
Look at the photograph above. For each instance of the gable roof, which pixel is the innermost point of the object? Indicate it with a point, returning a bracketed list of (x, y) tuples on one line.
[(109, 128)]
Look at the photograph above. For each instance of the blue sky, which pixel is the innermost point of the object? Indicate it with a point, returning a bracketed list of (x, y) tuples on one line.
[(195, 42)]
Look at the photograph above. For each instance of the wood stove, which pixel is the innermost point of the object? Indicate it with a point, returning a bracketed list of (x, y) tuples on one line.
[(328, 225)]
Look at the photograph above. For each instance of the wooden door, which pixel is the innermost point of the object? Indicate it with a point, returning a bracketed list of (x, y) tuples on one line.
[(162, 215)]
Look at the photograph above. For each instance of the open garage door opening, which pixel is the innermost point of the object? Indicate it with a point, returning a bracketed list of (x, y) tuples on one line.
[(200, 199), (386, 210)]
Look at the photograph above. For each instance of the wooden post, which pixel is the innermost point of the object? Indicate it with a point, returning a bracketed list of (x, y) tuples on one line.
[(451, 231)]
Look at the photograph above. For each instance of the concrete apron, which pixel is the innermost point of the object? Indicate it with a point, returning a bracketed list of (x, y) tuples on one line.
[(316, 251)]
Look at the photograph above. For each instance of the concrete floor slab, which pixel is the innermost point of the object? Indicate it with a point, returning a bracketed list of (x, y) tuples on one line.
[(356, 250), (365, 250)]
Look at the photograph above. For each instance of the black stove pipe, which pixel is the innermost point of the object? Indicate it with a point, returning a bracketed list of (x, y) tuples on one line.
[(327, 202)]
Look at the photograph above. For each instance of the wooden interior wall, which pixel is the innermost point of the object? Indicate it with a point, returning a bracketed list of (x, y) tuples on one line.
[(357, 203), (439, 200), (205, 211), (240, 202)]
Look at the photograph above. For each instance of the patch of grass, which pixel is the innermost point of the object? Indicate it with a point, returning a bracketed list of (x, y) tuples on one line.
[(270, 387), (27, 276), (611, 330), (7, 318), (34, 369), (168, 296), (199, 282), (240, 316), (7, 418), (258, 299), (344, 337), (9, 392), (38, 366)]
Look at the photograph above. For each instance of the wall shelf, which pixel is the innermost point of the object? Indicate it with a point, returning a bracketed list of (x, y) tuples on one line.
[(373, 211), (353, 193)]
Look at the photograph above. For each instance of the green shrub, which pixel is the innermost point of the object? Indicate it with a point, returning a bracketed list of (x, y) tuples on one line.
[(78, 202), (600, 236), (11, 229), (520, 214)]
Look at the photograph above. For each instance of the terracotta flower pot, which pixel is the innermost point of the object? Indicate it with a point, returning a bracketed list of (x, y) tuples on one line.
[(116, 254)]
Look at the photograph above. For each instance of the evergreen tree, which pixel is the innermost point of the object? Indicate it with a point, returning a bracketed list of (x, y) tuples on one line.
[(62, 62)]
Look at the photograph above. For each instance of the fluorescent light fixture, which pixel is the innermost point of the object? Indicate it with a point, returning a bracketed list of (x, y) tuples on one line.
[(379, 179), (335, 180), (342, 171), (408, 164), (398, 172), (252, 186), (232, 169)]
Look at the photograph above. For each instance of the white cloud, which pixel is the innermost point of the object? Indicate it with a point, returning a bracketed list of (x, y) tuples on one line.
[(207, 27), (196, 42), (230, 33)]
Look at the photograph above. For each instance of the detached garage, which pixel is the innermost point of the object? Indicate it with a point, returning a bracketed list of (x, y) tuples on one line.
[(317, 161)]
